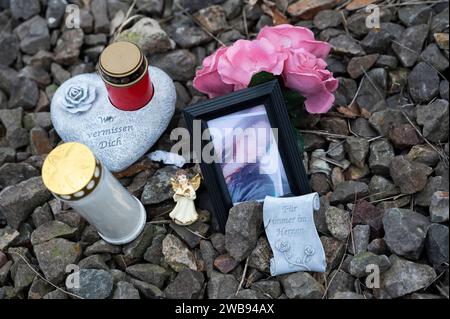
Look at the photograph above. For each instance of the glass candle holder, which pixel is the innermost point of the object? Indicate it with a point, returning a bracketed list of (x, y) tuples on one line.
[(73, 175), (124, 69)]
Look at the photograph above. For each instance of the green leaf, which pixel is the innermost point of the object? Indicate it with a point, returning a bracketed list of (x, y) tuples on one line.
[(261, 77), (293, 99)]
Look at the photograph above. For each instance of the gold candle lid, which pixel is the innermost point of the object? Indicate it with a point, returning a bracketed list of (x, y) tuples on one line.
[(69, 169), (122, 63)]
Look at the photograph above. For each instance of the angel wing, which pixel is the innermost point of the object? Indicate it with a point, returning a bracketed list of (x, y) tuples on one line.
[(175, 184), (195, 181)]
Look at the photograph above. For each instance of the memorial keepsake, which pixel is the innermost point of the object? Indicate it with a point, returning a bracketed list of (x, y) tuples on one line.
[(290, 229), (73, 174), (120, 114)]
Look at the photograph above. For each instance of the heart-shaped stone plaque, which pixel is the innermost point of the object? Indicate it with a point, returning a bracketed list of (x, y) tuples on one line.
[(81, 112)]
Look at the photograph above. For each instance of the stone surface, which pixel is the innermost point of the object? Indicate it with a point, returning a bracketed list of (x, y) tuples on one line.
[(439, 208), (50, 230), (99, 10), (376, 41), (25, 9), (410, 45), (434, 184), (136, 249), (11, 174), (242, 229), (405, 232), (17, 202), (177, 255), (381, 154), (341, 282), (7, 236), (221, 286), (361, 236), (68, 46), (225, 263), (33, 35), (327, 19), (404, 136), (432, 55), (54, 256), (357, 150), (188, 284), (302, 285), (148, 34), (26, 94), (213, 18), (191, 234), (125, 290), (366, 213), (413, 15), (334, 250), (271, 288), (437, 244), (152, 274), (55, 12), (405, 277), (424, 154), (434, 119), (345, 44), (10, 48), (94, 262), (349, 191), (411, 177), (358, 266), (383, 121), (101, 247), (179, 64), (358, 65), (338, 222), (423, 83), (260, 257), (158, 187), (373, 90), (94, 284), (147, 290)]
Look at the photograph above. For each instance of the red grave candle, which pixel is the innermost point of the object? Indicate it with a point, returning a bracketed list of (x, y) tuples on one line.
[(124, 69)]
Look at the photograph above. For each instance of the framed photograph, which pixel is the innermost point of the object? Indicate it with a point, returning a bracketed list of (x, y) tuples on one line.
[(248, 148)]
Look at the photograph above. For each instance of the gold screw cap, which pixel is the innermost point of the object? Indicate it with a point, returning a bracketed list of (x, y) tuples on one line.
[(68, 168)]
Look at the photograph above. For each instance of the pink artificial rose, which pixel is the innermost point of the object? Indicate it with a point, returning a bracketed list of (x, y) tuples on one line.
[(307, 74), (207, 80), (286, 36), (246, 58)]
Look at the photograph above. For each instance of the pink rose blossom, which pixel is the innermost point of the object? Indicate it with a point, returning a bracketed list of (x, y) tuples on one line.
[(307, 74), (208, 80), (286, 36), (246, 58)]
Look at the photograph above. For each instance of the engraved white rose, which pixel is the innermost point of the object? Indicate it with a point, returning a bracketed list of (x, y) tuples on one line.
[(79, 98)]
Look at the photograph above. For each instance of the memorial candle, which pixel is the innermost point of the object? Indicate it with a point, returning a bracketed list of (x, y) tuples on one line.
[(124, 69), (73, 174)]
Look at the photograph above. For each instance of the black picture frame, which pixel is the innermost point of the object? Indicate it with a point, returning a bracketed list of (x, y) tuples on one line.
[(270, 95)]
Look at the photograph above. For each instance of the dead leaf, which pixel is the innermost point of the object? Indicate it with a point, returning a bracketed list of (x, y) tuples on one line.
[(277, 17), (359, 4), (348, 112)]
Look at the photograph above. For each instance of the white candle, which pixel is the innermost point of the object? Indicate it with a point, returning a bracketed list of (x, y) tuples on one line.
[(75, 176)]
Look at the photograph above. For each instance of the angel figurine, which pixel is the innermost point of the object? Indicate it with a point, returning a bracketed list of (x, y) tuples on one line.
[(184, 213)]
